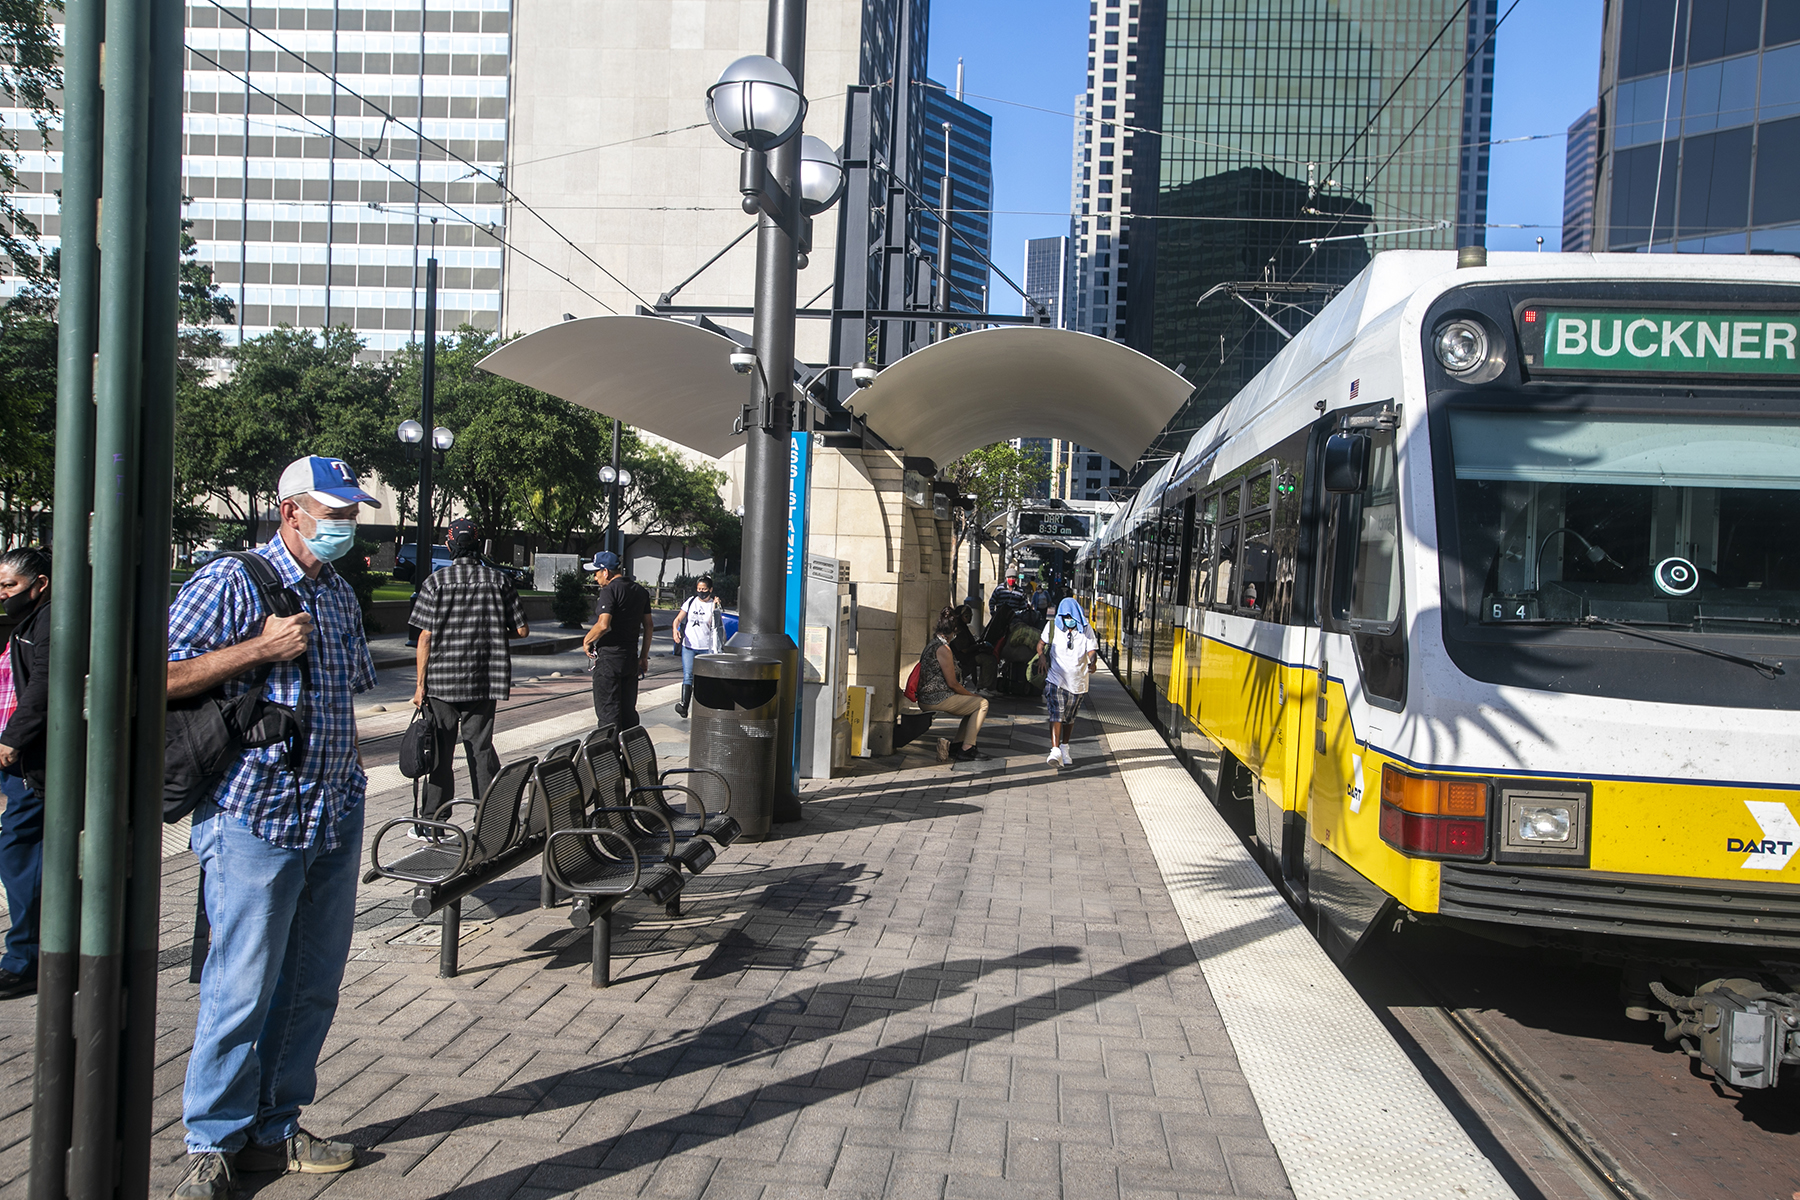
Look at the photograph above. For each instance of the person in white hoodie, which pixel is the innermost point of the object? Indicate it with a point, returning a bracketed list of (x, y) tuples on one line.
[(1069, 645)]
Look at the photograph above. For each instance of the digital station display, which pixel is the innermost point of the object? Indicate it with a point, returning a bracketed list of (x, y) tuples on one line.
[(1053, 524)]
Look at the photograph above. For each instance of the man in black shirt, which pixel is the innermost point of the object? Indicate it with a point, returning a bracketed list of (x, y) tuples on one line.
[(621, 616)]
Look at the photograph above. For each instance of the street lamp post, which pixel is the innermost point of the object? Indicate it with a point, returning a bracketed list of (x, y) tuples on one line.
[(616, 479), (412, 435), (758, 106)]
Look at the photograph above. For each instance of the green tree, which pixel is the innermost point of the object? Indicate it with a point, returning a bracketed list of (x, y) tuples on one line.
[(672, 499), (289, 392), (999, 477), (27, 422), (522, 458), (30, 79)]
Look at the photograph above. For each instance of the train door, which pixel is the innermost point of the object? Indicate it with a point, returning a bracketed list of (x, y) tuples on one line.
[(1166, 623), (1358, 662)]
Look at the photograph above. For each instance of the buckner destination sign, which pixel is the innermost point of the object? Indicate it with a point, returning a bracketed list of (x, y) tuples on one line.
[(1683, 342)]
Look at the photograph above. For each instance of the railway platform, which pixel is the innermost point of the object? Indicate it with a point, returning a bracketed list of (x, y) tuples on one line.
[(985, 980)]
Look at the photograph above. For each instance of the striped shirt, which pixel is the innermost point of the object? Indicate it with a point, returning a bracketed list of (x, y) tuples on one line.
[(469, 610), (219, 607)]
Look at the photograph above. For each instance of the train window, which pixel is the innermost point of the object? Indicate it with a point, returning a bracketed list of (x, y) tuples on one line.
[(1185, 568), (1231, 498), (1375, 585), (1224, 565), (1255, 567), (1209, 509), (1261, 491)]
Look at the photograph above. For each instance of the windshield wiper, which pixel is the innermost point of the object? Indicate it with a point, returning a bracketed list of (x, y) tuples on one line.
[(1763, 667), (1751, 620)]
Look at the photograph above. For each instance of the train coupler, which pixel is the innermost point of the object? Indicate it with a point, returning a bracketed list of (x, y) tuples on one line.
[(1743, 1031)]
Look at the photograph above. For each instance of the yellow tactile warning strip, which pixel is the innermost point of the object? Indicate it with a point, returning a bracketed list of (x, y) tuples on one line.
[(1347, 1111)]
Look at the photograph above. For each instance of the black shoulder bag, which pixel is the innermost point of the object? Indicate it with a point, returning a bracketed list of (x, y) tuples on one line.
[(207, 733)]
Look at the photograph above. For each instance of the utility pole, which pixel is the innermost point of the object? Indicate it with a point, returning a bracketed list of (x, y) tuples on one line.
[(427, 395), (943, 247), (613, 541), (101, 900)]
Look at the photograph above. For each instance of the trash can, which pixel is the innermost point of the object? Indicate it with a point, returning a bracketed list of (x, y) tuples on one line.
[(733, 723)]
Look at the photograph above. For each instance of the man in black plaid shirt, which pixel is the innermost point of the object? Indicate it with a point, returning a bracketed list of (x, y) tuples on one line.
[(464, 613)]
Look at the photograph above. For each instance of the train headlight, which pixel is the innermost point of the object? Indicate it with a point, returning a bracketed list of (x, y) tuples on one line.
[(1554, 825), (1461, 346)]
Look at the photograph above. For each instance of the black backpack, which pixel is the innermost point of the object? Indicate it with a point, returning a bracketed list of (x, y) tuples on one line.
[(207, 733)]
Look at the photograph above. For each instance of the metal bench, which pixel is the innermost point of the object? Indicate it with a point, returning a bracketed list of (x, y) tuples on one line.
[(613, 804), (639, 754), (596, 864), (462, 858)]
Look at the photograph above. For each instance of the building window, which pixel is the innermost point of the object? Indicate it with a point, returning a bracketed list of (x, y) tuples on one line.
[(1635, 196), (1715, 183), (1778, 173)]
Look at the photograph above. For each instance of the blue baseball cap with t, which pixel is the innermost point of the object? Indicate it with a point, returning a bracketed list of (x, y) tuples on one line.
[(330, 481), (606, 560)]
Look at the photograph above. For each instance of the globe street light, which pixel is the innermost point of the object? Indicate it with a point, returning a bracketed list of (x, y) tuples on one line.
[(412, 435), (756, 105), (411, 432), (788, 180), (442, 439)]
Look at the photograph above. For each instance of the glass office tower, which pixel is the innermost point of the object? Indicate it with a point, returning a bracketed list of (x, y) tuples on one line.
[(1702, 147), (971, 192), (1287, 140), (1579, 163)]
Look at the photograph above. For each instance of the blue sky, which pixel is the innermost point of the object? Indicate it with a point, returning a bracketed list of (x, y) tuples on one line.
[(1033, 53)]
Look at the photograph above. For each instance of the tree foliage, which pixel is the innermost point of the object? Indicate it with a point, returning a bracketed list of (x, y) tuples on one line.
[(27, 419), (30, 78), (289, 393), (1000, 476)]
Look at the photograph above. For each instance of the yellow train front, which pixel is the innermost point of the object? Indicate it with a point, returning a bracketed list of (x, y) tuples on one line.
[(1481, 605)]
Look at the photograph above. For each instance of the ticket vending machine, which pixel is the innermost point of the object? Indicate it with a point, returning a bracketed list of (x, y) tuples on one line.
[(825, 666)]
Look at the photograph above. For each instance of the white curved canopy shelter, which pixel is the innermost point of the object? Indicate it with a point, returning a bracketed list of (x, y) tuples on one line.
[(987, 386), (675, 380), (665, 376)]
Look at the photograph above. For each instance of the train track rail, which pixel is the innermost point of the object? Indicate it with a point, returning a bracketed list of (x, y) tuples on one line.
[(1536, 1099)]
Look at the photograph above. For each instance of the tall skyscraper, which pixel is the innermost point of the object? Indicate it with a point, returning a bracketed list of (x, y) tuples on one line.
[(1701, 152), (323, 143), (971, 171), (1047, 270), (1226, 140), (1578, 183)]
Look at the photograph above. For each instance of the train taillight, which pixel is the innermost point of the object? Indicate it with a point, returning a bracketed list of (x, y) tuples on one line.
[(1434, 816)]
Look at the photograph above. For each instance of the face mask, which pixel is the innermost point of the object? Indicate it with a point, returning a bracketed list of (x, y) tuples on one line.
[(331, 540), (1067, 622), (20, 603)]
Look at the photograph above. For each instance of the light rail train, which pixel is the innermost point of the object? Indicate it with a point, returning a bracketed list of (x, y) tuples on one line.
[(1480, 605)]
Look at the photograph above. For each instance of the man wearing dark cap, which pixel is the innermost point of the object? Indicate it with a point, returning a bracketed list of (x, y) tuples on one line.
[(621, 617), (464, 614)]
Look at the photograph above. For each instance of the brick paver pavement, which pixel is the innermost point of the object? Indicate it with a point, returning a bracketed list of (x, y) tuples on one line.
[(945, 982)]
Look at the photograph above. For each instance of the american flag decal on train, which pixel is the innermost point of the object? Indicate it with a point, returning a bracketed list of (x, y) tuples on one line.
[(1355, 386)]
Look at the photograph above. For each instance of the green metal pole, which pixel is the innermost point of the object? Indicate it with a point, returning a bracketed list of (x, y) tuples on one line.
[(59, 920), (156, 485), (118, 378)]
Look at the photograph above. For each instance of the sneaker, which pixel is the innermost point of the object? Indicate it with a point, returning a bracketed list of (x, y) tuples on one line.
[(944, 753), (969, 754), (303, 1152), (1068, 760), (1054, 758), (208, 1178), (13, 986)]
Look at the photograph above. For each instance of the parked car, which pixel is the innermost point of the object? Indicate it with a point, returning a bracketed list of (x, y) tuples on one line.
[(408, 556)]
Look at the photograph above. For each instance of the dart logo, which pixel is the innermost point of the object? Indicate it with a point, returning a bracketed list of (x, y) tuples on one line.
[(1779, 840)]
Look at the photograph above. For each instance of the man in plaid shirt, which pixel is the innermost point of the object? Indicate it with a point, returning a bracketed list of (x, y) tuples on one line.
[(464, 613), (280, 849)]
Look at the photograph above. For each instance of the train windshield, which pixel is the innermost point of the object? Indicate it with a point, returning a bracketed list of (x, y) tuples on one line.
[(1670, 522)]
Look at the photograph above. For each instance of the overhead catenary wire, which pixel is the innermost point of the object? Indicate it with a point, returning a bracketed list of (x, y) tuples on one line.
[(487, 227), (419, 131)]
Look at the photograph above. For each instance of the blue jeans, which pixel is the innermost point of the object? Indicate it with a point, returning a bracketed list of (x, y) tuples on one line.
[(688, 654), (22, 872), (281, 930)]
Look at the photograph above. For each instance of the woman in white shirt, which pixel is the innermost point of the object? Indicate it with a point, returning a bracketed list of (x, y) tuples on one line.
[(699, 629), (1069, 644)]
